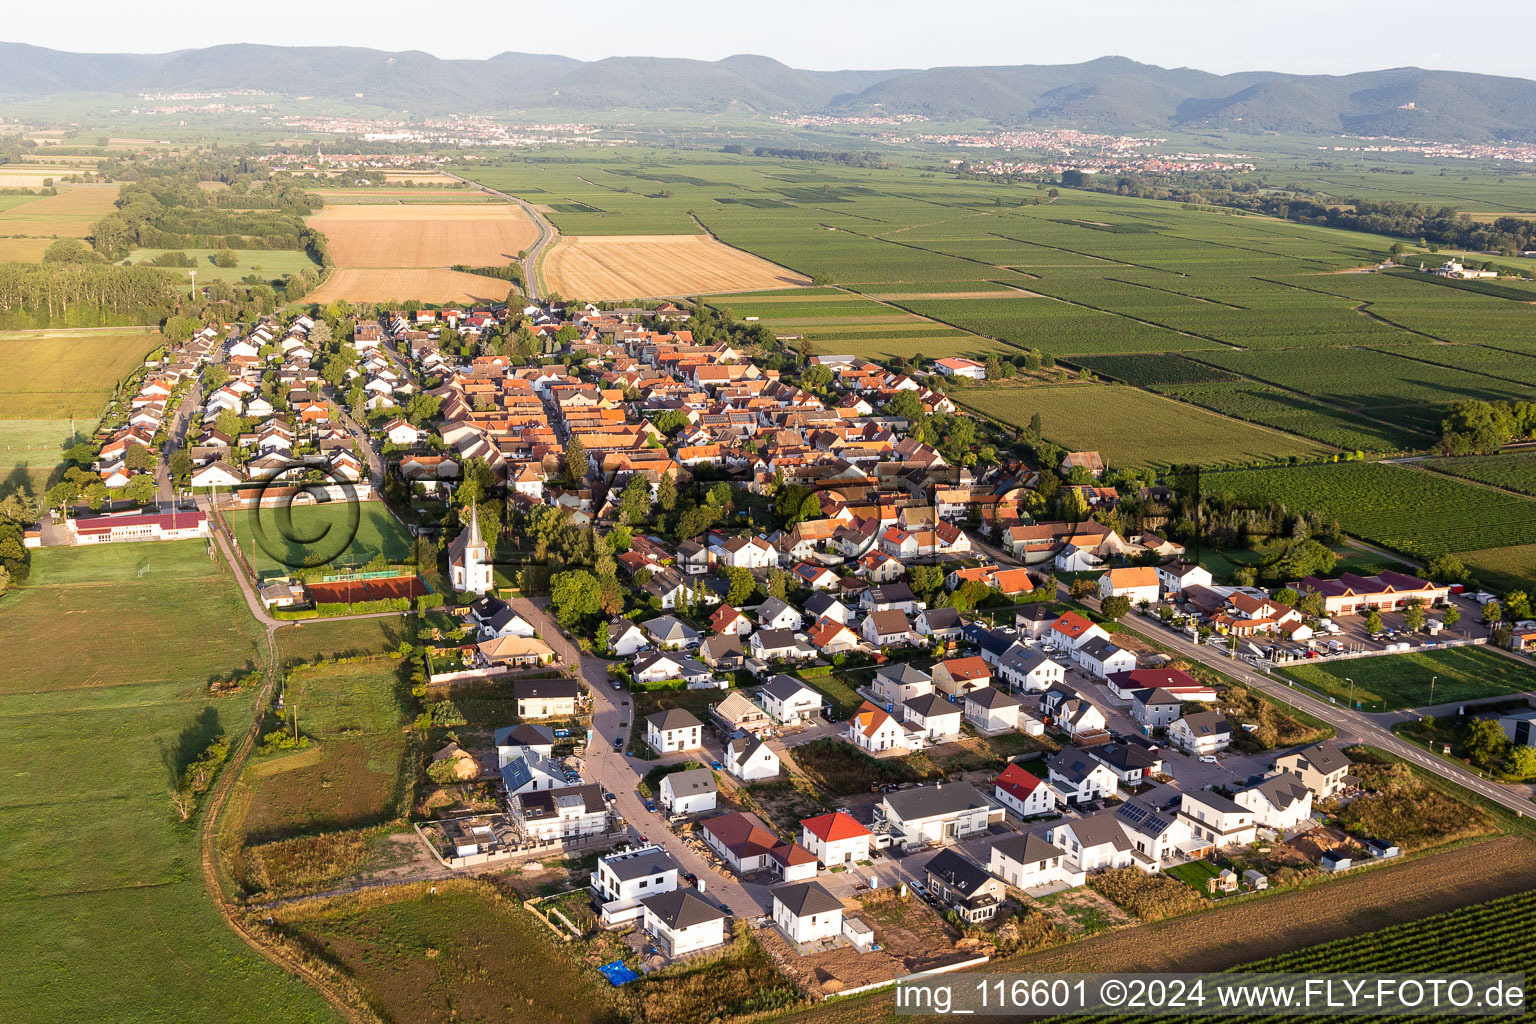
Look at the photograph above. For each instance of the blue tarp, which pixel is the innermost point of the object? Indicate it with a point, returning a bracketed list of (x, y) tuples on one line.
[(617, 973)]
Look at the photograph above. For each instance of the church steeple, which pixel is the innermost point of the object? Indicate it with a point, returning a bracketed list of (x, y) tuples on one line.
[(474, 540)]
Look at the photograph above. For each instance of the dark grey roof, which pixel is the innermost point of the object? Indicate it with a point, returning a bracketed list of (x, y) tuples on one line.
[(772, 607), (723, 646), (690, 781), (1206, 723), (904, 674), (541, 802), (1138, 817), (1154, 695), (782, 687), (891, 593), (1100, 829), (1123, 756), (1027, 848), (1071, 764), (1326, 757), (805, 898), (1026, 661), (929, 801), (927, 704), (1099, 648), (820, 603), (673, 718), (523, 689), (957, 873), (773, 639), (524, 734), (641, 865), (1282, 790), (990, 697), (682, 908), (1217, 802), (941, 618)]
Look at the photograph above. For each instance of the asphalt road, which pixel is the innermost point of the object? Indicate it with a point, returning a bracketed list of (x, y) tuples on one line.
[(619, 773), (547, 234)]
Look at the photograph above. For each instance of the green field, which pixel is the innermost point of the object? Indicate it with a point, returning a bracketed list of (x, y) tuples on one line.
[(350, 773), (318, 535), (1506, 568), (1497, 936), (1131, 428), (266, 264), (1398, 681), (1408, 510), (126, 613), (102, 908), (1515, 471), (1110, 276)]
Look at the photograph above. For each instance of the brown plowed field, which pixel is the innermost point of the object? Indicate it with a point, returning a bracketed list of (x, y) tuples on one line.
[(425, 235), (401, 285), (639, 266)]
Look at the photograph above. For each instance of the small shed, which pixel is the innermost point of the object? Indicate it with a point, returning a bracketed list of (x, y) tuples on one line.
[(1333, 860), (1382, 848), (858, 933), (1255, 879)]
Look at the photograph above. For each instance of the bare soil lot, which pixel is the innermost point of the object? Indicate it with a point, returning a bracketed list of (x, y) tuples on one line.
[(637, 266)]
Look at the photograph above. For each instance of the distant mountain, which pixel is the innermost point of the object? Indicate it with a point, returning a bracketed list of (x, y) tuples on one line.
[(1110, 93)]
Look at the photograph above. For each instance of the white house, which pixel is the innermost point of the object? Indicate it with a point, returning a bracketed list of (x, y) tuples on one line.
[(625, 638), (807, 912), (1175, 575), (779, 645), (623, 879), (1029, 671), (1214, 818), (1078, 778), (935, 717), (654, 666), (1280, 802), (1071, 631), (556, 815), (956, 366), (992, 711), (788, 700), (688, 792), (872, 730), (1023, 793), (1201, 734), (682, 921), (776, 614), (1155, 708), (900, 681), (935, 814), (673, 730), (750, 759), (1138, 583), (835, 838), (1095, 843), (1103, 657), (1025, 861), (741, 840)]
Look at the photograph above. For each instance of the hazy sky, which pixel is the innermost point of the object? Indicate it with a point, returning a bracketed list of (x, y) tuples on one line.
[(1303, 36)]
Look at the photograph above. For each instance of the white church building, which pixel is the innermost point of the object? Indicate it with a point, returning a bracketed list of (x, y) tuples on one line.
[(469, 559)]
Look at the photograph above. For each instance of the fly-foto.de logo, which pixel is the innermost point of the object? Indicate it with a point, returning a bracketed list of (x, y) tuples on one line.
[(319, 540)]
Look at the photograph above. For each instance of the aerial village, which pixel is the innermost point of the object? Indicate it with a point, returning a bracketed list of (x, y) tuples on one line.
[(866, 659)]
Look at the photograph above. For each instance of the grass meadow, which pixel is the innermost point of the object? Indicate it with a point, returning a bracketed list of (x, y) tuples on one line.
[(103, 698), (277, 540), (1391, 682)]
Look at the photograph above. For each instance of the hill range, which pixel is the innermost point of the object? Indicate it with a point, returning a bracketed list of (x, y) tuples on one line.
[(1111, 93)]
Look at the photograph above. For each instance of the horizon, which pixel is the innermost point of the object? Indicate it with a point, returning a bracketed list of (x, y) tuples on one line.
[(858, 36)]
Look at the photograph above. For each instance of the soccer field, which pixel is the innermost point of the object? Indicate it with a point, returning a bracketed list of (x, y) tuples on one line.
[(276, 541)]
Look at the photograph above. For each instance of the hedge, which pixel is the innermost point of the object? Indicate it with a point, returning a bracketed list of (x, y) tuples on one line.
[(660, 684), (426, 601), (285, 615), (388, 604)]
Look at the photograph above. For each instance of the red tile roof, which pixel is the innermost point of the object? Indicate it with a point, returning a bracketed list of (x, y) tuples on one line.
[(834, 826)]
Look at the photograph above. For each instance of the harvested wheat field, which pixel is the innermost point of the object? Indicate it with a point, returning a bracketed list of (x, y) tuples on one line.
[(69, 214), (639, 266), (26, 250), (424, 284), (439, 235)]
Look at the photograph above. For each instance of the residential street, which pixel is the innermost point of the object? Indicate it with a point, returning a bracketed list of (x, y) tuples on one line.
[(619, 773)]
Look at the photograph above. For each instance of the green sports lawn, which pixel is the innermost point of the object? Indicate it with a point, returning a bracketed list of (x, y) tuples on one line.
[(103, 694), (318, 535), (1392, 682), (267, 264)]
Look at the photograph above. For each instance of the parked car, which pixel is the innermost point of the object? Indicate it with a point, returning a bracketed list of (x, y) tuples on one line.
[(650, 804), (1208, 759), (717, 766), (618, 744)]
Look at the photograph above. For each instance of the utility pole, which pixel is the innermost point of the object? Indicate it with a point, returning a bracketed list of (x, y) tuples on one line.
[(1351, 683)]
